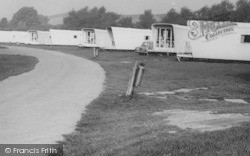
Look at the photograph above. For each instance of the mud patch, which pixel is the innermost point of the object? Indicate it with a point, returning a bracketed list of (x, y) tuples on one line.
[(239, 101), (125, 62), (182, 90), (202, 120)]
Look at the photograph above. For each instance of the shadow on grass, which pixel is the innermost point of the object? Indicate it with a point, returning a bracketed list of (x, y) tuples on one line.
[(242, 76)]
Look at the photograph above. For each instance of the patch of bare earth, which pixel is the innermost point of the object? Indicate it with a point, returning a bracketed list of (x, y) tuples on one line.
[(202, 120)]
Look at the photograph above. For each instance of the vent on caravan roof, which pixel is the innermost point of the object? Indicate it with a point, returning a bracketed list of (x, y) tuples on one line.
[(245, 38)]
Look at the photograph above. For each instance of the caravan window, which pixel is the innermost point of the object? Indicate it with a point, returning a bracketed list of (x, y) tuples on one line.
[(146, 38), (245, 38), (75, 36)]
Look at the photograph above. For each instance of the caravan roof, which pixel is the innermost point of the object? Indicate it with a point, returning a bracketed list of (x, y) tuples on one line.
[(169, 24)]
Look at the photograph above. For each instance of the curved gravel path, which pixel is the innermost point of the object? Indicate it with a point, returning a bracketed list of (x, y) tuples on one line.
[(41, 105)]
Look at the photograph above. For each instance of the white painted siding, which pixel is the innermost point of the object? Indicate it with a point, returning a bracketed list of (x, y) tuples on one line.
[(174, 40), (20, 37), (65, 37), (95, 38), (5, 36), (219, 40), (127, 38)]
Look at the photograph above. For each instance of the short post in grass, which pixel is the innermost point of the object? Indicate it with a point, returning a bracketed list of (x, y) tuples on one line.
[(139, 74), (95, 52), (136, 78)]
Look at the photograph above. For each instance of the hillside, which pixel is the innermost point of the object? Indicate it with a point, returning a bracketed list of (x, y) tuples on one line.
[(57, 19)]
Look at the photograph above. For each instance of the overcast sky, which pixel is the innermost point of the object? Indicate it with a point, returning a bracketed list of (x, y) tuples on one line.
[(52, 7)]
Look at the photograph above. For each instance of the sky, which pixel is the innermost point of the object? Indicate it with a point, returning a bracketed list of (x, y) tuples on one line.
[(52, 7)]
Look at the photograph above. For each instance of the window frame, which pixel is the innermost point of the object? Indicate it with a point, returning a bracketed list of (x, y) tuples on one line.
[(243, 38)]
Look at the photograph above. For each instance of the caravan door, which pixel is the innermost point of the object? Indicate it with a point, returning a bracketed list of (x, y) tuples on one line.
[(165, 39), (90, 37)]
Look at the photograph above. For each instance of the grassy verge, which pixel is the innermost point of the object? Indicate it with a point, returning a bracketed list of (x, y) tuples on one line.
[(113, 125), (11, 65)]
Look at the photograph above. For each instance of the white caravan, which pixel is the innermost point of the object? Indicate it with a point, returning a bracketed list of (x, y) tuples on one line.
[(39, 37), (217, 40), (127, 38), (166, 38), (95, 38), (5, 36), (65, 37), (20, 37)]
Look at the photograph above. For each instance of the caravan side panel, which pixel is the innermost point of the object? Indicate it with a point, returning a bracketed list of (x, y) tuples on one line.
[(219, 40), (102, 39), (20, 37), (5, 36), (95, 38), (169, 38), (128, 38), (182, 43), (65, 37), (44, 38)]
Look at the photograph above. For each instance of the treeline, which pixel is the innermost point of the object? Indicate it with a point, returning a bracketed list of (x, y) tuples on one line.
[(100, 18), (27, 18), (224, 11)]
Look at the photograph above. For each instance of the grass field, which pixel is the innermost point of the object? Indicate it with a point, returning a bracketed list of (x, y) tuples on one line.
[(114, 125), (11, 65)]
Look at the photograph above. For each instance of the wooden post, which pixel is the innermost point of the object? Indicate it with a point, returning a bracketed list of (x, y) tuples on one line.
[(171, 38), (139, 74), (130, 89), (95, 52)]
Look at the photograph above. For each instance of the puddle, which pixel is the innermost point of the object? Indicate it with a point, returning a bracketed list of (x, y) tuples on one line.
[(202, 120)]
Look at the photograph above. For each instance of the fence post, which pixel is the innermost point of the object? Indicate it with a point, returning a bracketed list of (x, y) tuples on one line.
[(136, 78), (95, 52), (139, 74), (130, 89)]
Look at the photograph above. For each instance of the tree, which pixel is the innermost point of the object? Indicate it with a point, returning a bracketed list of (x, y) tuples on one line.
[(242, 13), (126, 22), (222, 11), (203, 13), (4, 23), (146, 19), (28, 18), (173, 17), (186, 14), (21, 25), (94, 18)]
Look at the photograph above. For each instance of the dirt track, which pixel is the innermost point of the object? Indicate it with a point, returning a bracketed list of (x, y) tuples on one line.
[(41, 105)]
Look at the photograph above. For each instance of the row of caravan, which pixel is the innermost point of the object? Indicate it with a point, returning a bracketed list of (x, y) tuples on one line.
[(29, 37), (111, 38), (199, 39)]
